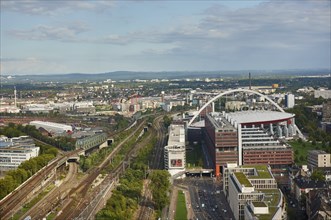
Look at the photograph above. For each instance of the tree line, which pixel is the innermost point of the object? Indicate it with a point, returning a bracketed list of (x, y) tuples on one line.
[(125, 198), (26, 169)]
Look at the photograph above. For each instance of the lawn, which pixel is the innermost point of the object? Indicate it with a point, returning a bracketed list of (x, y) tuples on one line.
[(301, 150), (181, 212)]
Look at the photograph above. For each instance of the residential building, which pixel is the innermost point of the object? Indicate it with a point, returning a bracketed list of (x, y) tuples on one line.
[(289, 100), (302, 185), (324, 93), (318, 158), (318, 204)]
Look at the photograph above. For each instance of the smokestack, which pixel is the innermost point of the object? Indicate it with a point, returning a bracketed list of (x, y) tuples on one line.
[(15, 94), (250, 81)]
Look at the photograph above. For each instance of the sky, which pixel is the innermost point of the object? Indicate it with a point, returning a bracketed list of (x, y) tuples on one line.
[(51, 37)]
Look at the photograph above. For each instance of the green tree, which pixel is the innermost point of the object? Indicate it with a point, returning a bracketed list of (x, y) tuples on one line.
[(317, 175), (167, 121), (160, 186)]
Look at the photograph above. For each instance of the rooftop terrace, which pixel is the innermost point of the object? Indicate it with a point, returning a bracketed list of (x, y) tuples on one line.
[(243, 179)]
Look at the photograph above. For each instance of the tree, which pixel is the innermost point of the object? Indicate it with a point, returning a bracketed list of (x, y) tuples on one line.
[(167, 121), (160, 186), (317, 175)]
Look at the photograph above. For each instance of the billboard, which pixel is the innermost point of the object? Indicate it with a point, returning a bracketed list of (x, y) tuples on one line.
[(176, 163)]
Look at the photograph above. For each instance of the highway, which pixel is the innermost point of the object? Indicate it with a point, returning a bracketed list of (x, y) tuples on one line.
[(207, 199)]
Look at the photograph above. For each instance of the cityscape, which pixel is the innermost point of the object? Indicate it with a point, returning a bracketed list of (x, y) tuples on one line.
[(131, 110)]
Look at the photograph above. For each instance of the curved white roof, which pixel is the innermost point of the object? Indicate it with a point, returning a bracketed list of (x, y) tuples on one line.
[(244, 117)]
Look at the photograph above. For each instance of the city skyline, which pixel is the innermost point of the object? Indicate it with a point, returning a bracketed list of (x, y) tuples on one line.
[(47, 37)]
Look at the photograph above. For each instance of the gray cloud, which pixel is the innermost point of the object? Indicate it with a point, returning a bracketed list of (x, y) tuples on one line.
[(46, 32), (44, 7)]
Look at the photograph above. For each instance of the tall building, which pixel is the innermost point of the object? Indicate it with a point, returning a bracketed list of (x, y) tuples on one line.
[(221, 139), (175, 151), (14, 151), (252, 192), (318, 158), (249, 137), (289, 101)]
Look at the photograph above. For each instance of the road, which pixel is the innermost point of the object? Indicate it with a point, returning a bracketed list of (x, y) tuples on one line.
[(207, 199)]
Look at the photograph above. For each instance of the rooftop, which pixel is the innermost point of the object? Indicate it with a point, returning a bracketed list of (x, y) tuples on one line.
[(243, 179), (262, 172), (259, 204), (272, 198), (244, 117), (304, 183)]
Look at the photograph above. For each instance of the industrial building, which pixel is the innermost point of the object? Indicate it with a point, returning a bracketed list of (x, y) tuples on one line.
[(318, 158), (249, 137), (252, 192), (14, 151), (175, 151), (51, 127)]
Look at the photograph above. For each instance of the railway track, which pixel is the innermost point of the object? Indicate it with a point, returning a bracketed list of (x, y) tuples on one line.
[(55, 196), (29, 189), (81, 196), (157, 160), (11, 203)]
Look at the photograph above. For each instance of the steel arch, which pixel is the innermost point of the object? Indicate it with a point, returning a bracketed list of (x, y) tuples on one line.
[(241, 90)]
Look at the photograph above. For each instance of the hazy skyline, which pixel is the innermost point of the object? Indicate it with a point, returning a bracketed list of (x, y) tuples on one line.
[(101, 36)]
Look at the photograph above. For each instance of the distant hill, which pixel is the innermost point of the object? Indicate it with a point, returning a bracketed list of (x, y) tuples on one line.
[(128, 75)]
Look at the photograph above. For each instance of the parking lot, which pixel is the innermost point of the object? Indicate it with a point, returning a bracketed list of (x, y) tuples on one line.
[(207, 198)]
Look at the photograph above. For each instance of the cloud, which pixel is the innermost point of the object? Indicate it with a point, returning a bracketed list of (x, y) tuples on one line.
[(47, 32), (28, 65), (44, 7)]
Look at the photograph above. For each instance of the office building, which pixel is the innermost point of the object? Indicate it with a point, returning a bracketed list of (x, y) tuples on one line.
[(174, 152), (14, 151), (252, 192)]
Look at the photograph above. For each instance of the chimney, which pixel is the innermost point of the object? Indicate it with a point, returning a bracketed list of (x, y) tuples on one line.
[(250, 81)]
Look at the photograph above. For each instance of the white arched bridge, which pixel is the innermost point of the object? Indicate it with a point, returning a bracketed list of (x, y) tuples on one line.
[(241, 90)]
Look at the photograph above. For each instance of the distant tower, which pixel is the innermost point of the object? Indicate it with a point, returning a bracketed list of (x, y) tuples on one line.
[(15, 94), (162, 96), (250, 81)]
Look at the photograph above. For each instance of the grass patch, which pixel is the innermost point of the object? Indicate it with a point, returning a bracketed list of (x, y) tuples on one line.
[(301, 148), (181, 212), (262, 172), (272, 197), (194, 156), (243, 179), (51, 216)]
